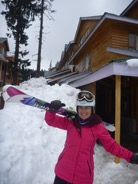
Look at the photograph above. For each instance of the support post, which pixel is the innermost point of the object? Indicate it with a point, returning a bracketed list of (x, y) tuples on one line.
[(117, 111)]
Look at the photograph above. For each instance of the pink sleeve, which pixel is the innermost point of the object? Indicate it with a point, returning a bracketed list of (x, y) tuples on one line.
[(56, 120), (110, 144)]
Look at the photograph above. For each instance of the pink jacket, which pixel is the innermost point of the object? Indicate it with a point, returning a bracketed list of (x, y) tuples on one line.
[(75, 163)]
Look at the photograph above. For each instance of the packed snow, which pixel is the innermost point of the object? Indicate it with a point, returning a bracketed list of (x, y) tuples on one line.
[(29, 148)]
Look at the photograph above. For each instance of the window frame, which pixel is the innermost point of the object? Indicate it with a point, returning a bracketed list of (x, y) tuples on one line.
[(133, 41)]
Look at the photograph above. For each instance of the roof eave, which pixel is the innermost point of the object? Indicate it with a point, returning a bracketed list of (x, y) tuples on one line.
[(128, 7), (104, 17), (108, 70)]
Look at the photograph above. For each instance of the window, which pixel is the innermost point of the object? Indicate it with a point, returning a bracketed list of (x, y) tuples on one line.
[(84, 36), (86, 62), (87, 32), (133, 41), (82, 40)]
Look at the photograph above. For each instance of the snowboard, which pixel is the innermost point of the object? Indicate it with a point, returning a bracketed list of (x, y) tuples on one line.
[(12, 94)]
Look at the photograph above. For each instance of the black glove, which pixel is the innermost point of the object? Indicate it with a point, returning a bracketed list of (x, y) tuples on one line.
[(134, 158), (56, 105), (70, 114)]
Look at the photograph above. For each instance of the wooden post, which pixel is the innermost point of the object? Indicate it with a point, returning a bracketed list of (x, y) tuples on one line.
[(94, 88), (117, 111)]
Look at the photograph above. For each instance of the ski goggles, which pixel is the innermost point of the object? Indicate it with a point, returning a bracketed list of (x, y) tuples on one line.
[(85, 95)]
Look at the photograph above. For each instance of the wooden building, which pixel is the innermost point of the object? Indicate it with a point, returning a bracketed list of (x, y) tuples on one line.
[(4, 48), (101, 47), (6, 63)]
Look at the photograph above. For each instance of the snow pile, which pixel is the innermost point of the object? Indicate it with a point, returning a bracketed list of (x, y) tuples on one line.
[(132, 62), (29, 148)]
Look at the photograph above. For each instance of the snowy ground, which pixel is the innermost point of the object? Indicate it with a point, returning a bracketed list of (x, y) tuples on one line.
[(29, 147)]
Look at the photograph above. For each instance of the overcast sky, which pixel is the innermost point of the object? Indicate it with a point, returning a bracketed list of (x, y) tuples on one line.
[(62, 29)]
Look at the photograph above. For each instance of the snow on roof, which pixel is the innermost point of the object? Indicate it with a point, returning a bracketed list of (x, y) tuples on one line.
[(132, 62)]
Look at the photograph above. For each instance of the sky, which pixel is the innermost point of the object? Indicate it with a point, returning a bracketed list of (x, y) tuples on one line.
[(29, 148), (61, 30)]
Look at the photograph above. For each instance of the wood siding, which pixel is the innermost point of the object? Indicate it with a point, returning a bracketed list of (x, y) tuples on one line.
[(84, 27), (120, 34), (111, 34), (133, 12)]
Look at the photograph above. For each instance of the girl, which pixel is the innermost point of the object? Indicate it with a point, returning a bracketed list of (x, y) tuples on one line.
[(75, 164)]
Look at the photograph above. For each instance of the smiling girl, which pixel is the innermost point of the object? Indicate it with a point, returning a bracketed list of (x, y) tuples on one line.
[(75, 164)]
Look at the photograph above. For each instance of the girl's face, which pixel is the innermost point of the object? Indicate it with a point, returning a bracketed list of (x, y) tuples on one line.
[(84, 112)]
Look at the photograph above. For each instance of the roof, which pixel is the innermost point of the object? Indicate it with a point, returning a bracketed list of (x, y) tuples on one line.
[(68, 80), (58, 73), (129, 7), (103, 18), (3, 40), (53, 81), (62, 60), (114, 68), (85, 19)]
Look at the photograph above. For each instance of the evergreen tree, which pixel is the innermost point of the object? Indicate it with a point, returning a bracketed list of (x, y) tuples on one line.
[(50, 66), (19, 14)]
